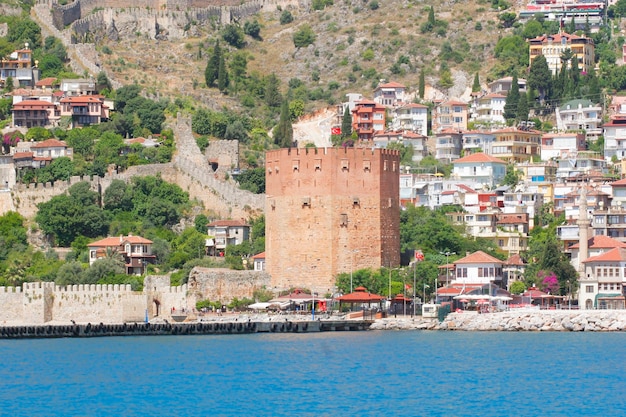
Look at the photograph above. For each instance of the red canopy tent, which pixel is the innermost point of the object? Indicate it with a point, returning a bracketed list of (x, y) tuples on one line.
[(360, 296)]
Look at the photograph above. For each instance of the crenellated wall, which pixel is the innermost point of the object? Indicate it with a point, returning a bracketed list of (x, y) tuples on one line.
[(45, 302)]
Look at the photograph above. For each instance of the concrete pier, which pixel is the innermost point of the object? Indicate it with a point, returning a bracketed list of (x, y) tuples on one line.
[(176, 329)]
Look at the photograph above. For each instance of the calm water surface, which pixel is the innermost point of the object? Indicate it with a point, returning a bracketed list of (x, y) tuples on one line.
[(326, 374)]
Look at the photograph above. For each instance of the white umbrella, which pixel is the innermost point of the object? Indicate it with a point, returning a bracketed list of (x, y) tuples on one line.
[(259, 306)]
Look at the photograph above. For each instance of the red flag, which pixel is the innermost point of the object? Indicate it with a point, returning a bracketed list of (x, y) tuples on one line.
[(335, 131), (407, 287), (419, 255)]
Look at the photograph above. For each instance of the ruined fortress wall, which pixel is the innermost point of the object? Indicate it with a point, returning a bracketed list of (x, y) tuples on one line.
[(224, 284), (228, 9), (225, 152)]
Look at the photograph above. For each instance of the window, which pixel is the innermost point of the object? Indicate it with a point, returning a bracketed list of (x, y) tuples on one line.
[(589, 289)]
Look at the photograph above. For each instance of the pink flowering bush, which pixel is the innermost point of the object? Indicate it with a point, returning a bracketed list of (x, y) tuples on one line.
[(549, 282), (10, 139)]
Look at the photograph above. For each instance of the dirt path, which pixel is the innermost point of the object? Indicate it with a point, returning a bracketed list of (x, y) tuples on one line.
[(315, 128)]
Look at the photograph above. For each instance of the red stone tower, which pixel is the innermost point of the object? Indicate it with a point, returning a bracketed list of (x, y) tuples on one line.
[(330, 210)]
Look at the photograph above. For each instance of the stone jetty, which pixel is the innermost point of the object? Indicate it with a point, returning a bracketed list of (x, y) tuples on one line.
[(515, 320)]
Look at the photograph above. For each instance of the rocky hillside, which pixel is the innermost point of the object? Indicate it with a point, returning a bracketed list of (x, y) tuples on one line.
[(357, 44)]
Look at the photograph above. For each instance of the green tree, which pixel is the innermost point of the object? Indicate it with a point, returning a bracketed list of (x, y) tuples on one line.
[(476, 85), (253, 29), (518, 287), (346, 123), (234, 36), (252, 180), (422, 84), (212, 68), (512, 176), (512, 99), (12, 234), (222, 76), (286, 17), (522, 109), (124, 94), (272, 93), (283, 132), (304, 37), (540, 77), (117, 197), (70, 273)]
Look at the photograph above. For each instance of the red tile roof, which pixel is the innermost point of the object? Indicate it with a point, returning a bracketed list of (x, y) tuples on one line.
[(614, 255), (478, 158), (468, 190), (46, 82), (601, 242), (391, 85), (259, 256), (118, 240), (49, 143), (515, 260), (619, 183), (513, 219), (32, 103), (81, 99), (479, 257), (22, 155)]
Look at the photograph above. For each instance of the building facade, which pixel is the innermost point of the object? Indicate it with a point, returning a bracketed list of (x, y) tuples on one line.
[(330, 211), (553, 46)]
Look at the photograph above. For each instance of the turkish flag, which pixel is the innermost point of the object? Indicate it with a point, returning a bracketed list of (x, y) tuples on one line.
[(419, 255), (335, 131), (407, 287)]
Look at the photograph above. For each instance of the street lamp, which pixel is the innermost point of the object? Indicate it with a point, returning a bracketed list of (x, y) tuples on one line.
[(569, 295), (447, 253), (414, 276), (425, 286)]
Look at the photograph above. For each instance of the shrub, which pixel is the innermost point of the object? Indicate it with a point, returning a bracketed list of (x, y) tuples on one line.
[(286, 17)]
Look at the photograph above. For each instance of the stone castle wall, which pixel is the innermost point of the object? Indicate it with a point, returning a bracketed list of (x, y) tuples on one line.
[(189, 169), (44, 302), (225, 10), (225, 284)]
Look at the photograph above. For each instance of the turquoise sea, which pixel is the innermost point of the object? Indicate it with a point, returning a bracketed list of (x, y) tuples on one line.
[(325, 374)]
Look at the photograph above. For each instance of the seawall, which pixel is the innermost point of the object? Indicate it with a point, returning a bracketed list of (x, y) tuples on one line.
[(516, 321)]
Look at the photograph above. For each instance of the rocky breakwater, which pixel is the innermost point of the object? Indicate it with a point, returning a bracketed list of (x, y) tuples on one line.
[(538, 320), (405, 323)]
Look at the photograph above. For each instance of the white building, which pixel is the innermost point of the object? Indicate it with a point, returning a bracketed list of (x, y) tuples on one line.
[(489, 110), (580, 115), (557, 145), (481, 168), (478, 268), (412, 117)]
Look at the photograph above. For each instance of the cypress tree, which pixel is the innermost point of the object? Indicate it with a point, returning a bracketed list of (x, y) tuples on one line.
[(522, 109), (346, 123), (283, 132), (512, 99), (422, 84), (272, 95), (213, 65), (476, 85), (431, 16), (222, 77)]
